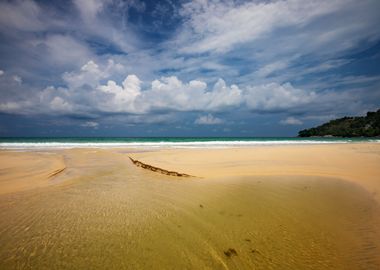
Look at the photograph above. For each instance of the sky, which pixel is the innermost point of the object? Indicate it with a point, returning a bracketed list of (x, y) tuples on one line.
[(185, 68)]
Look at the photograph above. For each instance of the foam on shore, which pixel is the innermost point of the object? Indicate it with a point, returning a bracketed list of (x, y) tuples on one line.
[(166, 144)]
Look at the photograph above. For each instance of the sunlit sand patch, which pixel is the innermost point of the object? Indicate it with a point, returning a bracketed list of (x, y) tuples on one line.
[(358, 163), (22, 171)]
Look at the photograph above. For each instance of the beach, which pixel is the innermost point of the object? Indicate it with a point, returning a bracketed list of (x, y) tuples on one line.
[(295, 206), (358, 163)]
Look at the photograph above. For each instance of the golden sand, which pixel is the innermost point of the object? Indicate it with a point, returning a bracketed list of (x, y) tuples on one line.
[(282, 207), (357, 162), (20, 171)]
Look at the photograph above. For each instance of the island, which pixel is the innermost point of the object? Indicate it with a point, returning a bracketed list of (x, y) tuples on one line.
[(361, 126)]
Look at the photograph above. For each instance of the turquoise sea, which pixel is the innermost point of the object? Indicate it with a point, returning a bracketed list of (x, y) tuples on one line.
[(176, 142)]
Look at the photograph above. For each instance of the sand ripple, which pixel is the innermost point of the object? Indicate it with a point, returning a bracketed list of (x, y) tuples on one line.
[(117, 216)]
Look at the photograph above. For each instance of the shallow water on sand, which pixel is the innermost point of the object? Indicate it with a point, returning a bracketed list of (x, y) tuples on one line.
[(127, 218)]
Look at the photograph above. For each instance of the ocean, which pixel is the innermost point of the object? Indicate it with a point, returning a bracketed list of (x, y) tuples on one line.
[(164, 142)]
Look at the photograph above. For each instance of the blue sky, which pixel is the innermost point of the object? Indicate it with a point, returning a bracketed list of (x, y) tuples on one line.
[(185, 68)]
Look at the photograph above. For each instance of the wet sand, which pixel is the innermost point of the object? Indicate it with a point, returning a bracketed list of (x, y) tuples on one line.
[(103, 212)]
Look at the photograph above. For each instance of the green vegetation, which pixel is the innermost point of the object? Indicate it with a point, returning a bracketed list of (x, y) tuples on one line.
[(365, 126)]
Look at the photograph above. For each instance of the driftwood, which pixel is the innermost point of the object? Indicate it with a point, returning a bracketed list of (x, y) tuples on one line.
[(158, 170), (56, 172)]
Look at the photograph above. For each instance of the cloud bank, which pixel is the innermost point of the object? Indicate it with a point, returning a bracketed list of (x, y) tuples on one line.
[(198, 63), (88, 91)]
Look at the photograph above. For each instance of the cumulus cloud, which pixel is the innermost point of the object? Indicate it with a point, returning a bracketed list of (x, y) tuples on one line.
[(172, 93), (122, 98), (60, 105), (87, 91), (208, 119), (91, 73), (291, 121), (1, 72), (274, 97), (169, 94), (53, 100)]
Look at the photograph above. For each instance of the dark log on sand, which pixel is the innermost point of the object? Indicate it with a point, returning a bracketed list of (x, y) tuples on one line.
[(56, 172), (158, 170)]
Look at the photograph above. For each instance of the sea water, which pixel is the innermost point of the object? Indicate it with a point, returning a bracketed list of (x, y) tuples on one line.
[(159, 142)]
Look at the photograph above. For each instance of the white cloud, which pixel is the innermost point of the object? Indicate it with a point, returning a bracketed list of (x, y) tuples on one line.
[(219, 26), (291, 121), (271, 68), (170, 93), (17, 107), (91, 73), (267, 52), (65, 50), (283, 40), (1, 72), (55, 100), (21, 15), (165, 94), (122, 98), (51, 38), (85, 93), (93, 15), (10, 107), (273, 96), (269, 34), (17, 79), (89, 92), (90, 124), (90, 8), (325, 66), (224, 96), (208, 120), (60, 105)]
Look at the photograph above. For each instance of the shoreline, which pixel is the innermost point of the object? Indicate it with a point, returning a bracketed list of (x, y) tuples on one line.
[(183, 143)]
